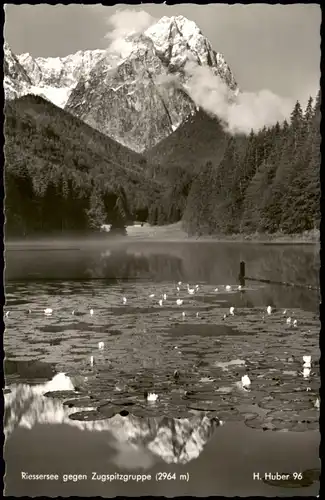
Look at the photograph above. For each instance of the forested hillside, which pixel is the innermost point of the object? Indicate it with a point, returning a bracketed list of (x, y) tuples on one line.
[(62, 175), (266, 182)]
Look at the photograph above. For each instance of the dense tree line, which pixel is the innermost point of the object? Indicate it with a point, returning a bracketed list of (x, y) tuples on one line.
[(266, 182), (62, 175)]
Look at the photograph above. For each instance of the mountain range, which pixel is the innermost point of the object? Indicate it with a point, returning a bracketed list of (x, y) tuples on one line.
[(139, 97), (125, 141)]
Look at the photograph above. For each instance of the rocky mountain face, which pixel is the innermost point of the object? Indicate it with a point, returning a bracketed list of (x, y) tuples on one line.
[(55, 77), (138, 98), (143, 100), (127, 103), (16, 80)]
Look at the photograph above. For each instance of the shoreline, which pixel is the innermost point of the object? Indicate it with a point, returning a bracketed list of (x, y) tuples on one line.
[(172, 233)]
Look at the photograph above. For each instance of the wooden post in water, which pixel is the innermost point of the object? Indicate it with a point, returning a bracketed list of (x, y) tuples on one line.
[(241, 276)]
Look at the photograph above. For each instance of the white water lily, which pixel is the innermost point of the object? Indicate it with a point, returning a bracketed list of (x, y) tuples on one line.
[(124, 300), (307, 361), (245, 382), (191, 291), (48, 311), (295, 323), (7, 314), (183, 314), (165, 296), (91, 312), (179, 283), (197, 314), (317, 404), (284, 312), (91, 360), (228, 287), (160, 302), (179, 302), (151, 396), (232, 311), (216, 289), (306, 372), (289, 321), (100, 345), (269, 309), (239, 287), (151, 296)]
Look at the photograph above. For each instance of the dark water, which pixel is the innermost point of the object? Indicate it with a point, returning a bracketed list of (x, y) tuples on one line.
[(103, 417)]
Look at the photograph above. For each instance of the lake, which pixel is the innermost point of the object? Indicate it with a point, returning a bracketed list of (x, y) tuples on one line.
[(78, 412)]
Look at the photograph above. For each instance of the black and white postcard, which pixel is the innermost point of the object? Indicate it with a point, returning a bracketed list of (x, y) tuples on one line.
[(162, 250)]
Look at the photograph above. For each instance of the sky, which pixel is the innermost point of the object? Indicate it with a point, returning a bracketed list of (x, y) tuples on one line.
[(268, 47)]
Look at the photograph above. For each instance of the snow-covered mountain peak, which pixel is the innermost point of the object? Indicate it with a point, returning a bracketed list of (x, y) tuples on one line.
[(55, 77), (178, 40), (60, 70), (162, 28), (16, 80)]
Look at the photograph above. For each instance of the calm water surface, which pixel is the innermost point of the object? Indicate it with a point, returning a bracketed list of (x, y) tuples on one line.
[(95, 418)]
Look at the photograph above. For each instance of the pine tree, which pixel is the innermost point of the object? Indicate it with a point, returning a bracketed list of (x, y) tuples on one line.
[(309, 113), (96, 211)]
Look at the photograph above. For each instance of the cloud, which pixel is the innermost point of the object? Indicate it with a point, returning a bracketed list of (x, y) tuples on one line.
[(240, 113), (125, 23)]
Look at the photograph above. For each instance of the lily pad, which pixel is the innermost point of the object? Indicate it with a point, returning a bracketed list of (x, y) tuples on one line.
[(87, 416), (259, 423), (293, 396), (122, 402), (80, 403), (287, 387), (62, 394), (249, 415), (203, 406), (291, 416), (109, 410), (149, 411), (202, 395), (224, 390), (289, 405)]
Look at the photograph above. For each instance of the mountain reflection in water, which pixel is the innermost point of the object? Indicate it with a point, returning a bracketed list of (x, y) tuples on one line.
[(121, 445), (173, 440)]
